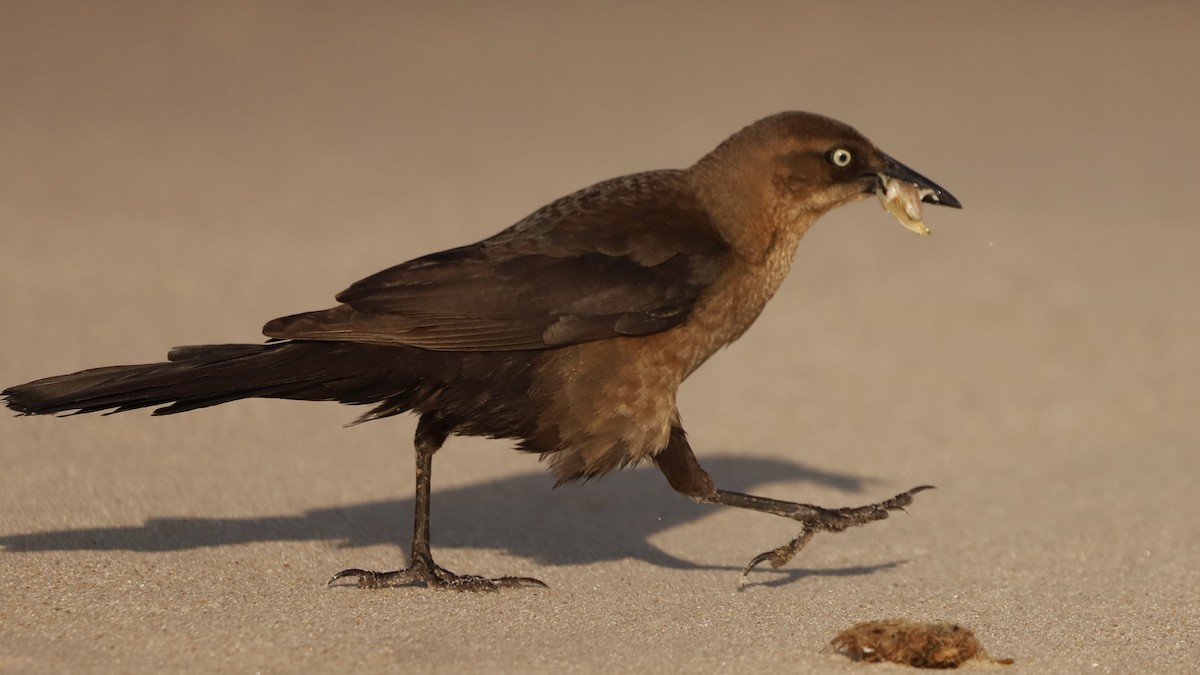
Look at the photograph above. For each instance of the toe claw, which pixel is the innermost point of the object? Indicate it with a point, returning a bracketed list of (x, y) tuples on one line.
[(348, 573), (367, 578), (519, 582), (761, 557)]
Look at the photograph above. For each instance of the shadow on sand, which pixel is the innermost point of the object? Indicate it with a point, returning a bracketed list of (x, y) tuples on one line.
[(608, 519)]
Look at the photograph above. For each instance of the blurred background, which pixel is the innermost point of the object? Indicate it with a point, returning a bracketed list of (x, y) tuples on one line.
[(180, 172)]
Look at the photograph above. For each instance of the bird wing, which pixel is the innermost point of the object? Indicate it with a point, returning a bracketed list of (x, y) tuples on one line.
[(625, 257)]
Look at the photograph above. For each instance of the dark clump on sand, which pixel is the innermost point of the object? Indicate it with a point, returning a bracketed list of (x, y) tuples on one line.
[(921, 645)]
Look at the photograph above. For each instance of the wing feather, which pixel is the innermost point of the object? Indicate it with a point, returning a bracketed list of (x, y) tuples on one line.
[(626, 257)]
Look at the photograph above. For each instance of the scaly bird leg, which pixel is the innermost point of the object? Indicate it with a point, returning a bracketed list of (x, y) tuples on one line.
[(422, 568), (683, 472), (824, 520)]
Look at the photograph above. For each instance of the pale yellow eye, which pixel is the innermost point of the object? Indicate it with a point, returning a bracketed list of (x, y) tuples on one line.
[(841, 157)]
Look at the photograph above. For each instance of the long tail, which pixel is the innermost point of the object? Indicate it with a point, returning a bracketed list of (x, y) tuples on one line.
[(197, 377)]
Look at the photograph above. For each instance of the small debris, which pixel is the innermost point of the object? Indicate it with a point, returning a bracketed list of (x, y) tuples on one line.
[(903, 201), (921, 645)]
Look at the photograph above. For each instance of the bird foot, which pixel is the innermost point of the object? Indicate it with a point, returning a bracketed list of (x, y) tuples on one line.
[(433, 575), (832, 520)]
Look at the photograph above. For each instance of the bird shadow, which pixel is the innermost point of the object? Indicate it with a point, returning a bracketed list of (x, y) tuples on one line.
[(612, 519), (783, 577)]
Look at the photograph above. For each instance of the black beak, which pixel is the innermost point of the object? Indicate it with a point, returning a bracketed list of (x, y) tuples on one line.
[(932, 193)]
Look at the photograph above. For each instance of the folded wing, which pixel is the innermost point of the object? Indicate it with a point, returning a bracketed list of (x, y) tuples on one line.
[(626, 257)]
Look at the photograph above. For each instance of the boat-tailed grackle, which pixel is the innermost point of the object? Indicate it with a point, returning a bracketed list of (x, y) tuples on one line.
[(569, 332)]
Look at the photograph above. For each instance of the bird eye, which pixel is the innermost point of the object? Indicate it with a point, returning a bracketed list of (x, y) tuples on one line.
[(841, 157)]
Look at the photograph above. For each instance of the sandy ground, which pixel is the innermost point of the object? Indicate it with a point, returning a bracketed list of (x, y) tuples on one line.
[(178, 173)]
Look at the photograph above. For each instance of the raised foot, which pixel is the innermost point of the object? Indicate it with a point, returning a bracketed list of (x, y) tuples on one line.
[(434, 576), (832, 520)]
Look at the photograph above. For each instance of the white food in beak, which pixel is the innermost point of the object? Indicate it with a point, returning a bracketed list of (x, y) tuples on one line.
[(903, 200)]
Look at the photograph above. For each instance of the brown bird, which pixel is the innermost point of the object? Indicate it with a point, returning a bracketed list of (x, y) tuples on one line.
[(569, 332)]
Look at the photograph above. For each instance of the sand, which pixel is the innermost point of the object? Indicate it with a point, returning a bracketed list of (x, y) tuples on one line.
[(179, 173)]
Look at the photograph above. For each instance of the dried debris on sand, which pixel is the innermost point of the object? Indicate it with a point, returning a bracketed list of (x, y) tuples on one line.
[(921, 645)]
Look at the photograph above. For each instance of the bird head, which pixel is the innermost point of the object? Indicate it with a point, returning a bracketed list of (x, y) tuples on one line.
[(803, 165)]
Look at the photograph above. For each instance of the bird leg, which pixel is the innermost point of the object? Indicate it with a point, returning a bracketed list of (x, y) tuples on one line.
[(422, 569), (684, 473)]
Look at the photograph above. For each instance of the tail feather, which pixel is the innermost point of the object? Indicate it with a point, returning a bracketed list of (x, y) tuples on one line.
[(201, 376)]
